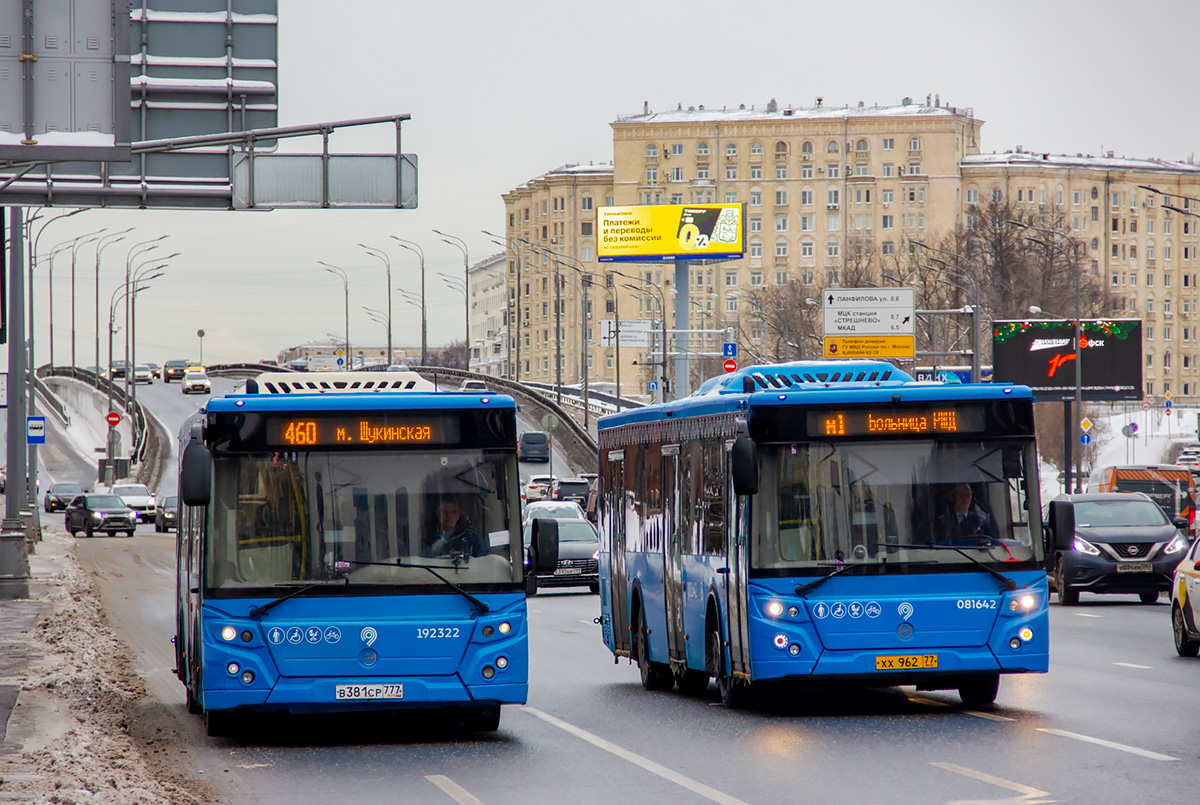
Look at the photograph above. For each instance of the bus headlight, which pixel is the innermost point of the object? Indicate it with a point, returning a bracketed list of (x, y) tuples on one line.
[(1176, 545), (247, 677), (488, 672), (228, 633), (774, 609), (793, 612), (1025, 602), (505, 628), (1083, 546), (233, 668), (502, 663)]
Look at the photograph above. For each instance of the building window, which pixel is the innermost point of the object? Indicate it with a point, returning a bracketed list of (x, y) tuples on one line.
[(652, 150), (914, 167), (731, 197), (781, 171), (973, 196), (861, 145), (702, 172), (756, 171), (833, 170), (780, 198), (756, 224), (807, 223), (860, 169), (756, 250), (914, 144), (806, 248), (730, 172), (730, 150), (781, 223), (585, 228), (651, 173), (833, 197), (756, 278), (888, 248), (806, 198), (755, 198), (888, 196), (781, 277), (806, 171), (755, 148), (585, 254), (780, 248), (888, 222), (806, 148), (702, 149), (889, 169), (780, 148), (833, 223), (832, 147), (889, 144), (677, 198), (731, 304), (585, 203), (997, 194), (730, 279)]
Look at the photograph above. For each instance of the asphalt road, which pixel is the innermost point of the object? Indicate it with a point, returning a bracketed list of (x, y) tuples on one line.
[(1114, 721)]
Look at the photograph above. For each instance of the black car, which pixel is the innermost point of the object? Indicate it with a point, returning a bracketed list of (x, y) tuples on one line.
[(59, 495), (107, 513), (175, 370), (533, 445), (165, 518), (578, 559), (1111, 542), (575, 489), (118, 369)]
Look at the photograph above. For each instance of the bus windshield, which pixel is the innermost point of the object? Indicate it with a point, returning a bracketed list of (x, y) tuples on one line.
[(358, 519), (824, 503)]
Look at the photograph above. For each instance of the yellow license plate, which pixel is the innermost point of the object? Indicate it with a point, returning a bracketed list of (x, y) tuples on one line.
[(905, 662)]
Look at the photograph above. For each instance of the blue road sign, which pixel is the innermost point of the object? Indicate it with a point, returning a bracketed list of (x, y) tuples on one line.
[(35, 429), (1133, 426), (1085, 438), (654, 385), (730, 349), (1167, 403), (341, 362)]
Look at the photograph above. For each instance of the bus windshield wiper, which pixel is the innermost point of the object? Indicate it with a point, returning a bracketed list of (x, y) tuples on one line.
[(840, 568), (1009, 584), (263, 609), (480, 605)]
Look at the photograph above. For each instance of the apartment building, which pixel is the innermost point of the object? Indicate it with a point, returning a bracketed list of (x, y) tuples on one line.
[(488, 347), (829, 193)]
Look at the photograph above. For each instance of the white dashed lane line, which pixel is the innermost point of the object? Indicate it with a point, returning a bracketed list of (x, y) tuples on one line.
[(1134, 665), (1029, 795), (453, 789), (1133, 750)]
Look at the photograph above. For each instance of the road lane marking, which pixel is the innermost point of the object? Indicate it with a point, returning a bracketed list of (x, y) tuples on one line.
[(694, 786), (1087, 615), (1133, 750), (1029, 795), (1134, 665), (930, 702), (456, 791), (988, 716)]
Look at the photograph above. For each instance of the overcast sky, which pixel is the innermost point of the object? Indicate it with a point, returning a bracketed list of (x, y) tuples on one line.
[(502, 92)]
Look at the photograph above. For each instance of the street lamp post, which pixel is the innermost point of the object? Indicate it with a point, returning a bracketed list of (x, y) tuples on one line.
[(50, 292), (140, 275), (1075, 424), (387, 264), (134, 251), (80, 241), (119, 293), (413, 247), (662, 312), (105, 242), (341, 272), (459, 243)]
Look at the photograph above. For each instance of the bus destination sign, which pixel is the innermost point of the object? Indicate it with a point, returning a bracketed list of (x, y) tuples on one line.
[(895, 422), (367, 430)]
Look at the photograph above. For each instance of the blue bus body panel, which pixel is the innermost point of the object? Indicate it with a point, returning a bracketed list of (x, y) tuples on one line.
[(341, 401), (846, 623), (432, 644)]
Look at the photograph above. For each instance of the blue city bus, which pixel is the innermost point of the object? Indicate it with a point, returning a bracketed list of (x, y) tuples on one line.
[(352, 542), (804, 523)]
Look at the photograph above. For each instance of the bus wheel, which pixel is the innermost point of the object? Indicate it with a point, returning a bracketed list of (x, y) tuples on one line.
[(1068, 596), (655, 675), (979, 691), (734, 694), (483, 719), (692, 682), (193, 706), (218, 723), (1185, 646)]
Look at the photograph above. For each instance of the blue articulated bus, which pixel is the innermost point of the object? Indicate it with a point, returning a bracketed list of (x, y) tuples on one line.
[(819, 521), (352, 542)]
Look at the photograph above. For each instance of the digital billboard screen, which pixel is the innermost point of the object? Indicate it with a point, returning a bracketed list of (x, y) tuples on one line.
[(1041, 354), (671, 232)]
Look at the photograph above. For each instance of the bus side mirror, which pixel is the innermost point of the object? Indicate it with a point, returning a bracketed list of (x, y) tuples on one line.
[(195, 475), (744, 466), (544, 544), (1062, 518)]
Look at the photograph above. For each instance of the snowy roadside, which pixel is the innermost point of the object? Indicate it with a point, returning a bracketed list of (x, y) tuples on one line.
[(89, 728)]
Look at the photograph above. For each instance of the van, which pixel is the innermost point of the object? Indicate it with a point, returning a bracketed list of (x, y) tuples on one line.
[(1168, 485), (533, 445)]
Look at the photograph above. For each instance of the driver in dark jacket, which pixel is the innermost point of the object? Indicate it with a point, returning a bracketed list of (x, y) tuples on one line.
[(452, 534)]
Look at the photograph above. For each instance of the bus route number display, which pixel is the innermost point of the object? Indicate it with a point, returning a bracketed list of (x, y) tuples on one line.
[(364, 430), (894, 422)]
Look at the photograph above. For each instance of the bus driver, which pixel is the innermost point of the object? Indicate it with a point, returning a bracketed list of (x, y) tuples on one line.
[(452, 533)]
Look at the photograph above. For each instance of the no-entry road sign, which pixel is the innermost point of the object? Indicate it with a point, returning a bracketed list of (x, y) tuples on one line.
[(731, 365), (112, 418)]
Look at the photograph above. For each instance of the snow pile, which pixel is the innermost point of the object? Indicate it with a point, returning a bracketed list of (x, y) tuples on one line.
[(97, 734)]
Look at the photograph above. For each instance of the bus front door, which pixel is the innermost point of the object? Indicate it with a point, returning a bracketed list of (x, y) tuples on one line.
[(615, 506), (672, 554), (737, 528)]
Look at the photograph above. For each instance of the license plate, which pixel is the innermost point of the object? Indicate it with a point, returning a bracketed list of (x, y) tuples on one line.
[(343, 692), (1135, 567), (905, 662), (568, 571)]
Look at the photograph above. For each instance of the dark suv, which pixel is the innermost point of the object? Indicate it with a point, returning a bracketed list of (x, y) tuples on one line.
[(575, 489), (174, 370), (1111, 542), (533, 445)]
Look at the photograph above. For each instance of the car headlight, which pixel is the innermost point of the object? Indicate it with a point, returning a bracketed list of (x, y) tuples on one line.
[(1176, 545), (97, 516), (1083, 546), (152, 501)]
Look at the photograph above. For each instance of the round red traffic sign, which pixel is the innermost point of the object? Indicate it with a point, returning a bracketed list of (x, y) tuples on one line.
[(112, 418), (731, 365)]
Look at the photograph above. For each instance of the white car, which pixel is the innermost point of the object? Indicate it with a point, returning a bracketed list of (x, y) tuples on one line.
[(196, 381), (553, 510), (138, 498), (143, 374), (538, 487)]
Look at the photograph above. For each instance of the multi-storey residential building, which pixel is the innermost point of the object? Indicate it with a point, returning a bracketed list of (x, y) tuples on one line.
[(488, 350), (830, 194)]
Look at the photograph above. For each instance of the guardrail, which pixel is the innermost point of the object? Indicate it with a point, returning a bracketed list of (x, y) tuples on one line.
[(53, 403)]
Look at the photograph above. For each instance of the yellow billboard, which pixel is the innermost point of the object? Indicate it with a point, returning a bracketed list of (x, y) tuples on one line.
[(870, 346), (671, 232)]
